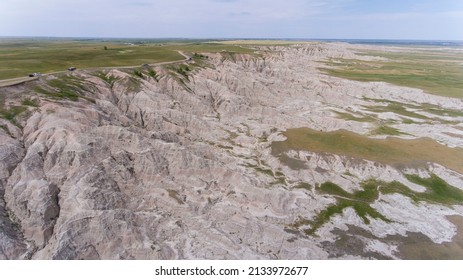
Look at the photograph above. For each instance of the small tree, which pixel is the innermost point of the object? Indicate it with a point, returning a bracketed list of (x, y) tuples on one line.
[(105, 48)]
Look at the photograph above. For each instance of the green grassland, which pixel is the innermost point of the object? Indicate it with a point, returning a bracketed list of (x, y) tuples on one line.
[(434, 71), (19, 58), (393, 151)]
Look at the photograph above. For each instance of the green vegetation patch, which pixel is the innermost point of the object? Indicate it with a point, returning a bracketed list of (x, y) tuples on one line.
[(261, 169), (138, 73), (408, 121), (199, 56), (303, 185), (30, 102), (432, 109), (367, 194), (351, 117), (359, 201), (393, 151), (12, 112), (183, 70), (132, 83), (412, 110), (278, 176), (152, 73), (110, 79), (66, 87), (362, 209), (437, 192), (397, 108), (386, 130)]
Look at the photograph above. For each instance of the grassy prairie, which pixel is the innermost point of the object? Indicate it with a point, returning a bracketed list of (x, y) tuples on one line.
[(434, 71), (393, 151), (19, 58)]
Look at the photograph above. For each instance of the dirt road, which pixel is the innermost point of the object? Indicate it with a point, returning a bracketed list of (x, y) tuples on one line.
[(16, 81)]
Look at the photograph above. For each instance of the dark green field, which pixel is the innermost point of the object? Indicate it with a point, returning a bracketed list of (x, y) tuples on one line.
[(20, 57)]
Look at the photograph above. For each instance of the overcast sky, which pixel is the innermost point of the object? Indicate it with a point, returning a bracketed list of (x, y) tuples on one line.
[(323, 19)]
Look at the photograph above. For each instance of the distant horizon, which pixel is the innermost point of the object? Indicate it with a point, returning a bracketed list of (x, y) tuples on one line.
[(426, 20), (438, 42), (220, 38)]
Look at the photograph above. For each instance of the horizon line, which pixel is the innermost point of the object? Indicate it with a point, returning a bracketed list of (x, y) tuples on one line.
[(223, 38)]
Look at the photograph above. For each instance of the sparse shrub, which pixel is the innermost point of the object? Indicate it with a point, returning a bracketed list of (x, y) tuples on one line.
[(183, 70), (138, 73), (152, 73), (199, 56), (30, 102), (110, 79), (66, 87), (10, 114)]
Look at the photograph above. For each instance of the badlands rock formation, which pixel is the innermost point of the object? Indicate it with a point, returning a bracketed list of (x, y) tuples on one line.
[(181, 167)]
